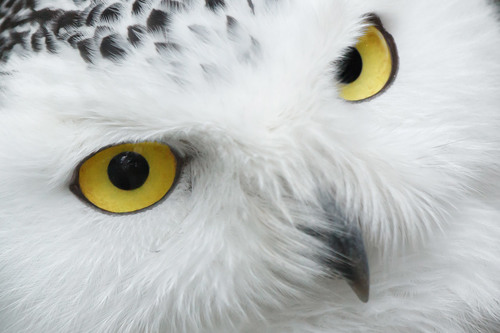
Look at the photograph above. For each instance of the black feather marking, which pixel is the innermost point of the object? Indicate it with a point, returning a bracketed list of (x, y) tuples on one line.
[(231, 24), (10, 22), (112, 13), (252, 8), (139, 6), (158, 20), (6, 24), (110, 47), (93, 15), (102, 31), (4, 48), (233, 28), (17, 7), (74, 39), (215, 4), (70, 19), (167, 47), (172, 5), (136, 33), (30, 4), (19, 38), (36, 40), (46, 15), (9, 3), (50, 41), (87, 49)]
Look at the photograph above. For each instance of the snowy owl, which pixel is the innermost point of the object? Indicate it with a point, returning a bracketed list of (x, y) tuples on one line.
[(249, 166)]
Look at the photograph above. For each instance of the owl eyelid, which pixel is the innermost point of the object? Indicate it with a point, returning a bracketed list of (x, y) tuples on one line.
[(375, 20), (74, 184)]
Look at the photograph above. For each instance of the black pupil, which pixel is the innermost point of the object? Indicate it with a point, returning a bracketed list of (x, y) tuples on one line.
[(128, 170), (350, 66)]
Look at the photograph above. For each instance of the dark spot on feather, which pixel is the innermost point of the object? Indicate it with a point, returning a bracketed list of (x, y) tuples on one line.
[(102, 30), (93, 15), (4, 50), (158, 20), (9, 3), (36, 40), (50, 41), (214, 4), (111, 49), (250, 4), (173, 5), (112, 13), (87, 49), (231, 23), (167, 47), (19, 38), (135, 34), (6, 24), (74, 39), (17, 7), (68, 19), (45, 15), (30, 4), (233, 28), (139, 6)]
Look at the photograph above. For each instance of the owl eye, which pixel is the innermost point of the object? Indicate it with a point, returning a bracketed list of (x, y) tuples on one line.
[(127, 177), (371, 66)]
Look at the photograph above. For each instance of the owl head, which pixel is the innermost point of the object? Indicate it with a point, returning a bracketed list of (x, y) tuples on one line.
[(244, 166)]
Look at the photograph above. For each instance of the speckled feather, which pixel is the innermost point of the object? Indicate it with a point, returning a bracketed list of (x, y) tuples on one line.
[(92, 29)]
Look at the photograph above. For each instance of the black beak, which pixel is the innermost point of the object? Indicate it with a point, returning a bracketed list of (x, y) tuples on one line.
[(345, 255), (348, 258)]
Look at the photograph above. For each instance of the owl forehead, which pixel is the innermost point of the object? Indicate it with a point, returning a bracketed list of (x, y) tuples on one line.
[(113, 30), (172, 62)]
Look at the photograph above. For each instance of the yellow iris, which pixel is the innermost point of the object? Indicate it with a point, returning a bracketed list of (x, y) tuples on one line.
[(378, 65), (127, 177)]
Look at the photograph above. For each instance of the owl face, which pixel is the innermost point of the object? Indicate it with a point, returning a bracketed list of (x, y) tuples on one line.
[(228, 166)]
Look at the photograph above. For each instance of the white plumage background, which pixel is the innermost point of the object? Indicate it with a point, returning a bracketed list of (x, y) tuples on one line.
[(274, 168)]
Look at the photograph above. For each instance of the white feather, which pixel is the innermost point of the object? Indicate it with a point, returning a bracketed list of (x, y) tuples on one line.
[(418, 167)]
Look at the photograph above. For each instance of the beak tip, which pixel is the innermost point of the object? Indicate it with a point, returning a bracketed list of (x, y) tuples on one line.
[(362, 290), (359, 280)]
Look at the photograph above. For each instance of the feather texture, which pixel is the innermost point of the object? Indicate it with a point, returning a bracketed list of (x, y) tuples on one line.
[(245, 93)]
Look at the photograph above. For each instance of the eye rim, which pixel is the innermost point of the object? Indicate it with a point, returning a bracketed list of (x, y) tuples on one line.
[(74, 184), (373, 20)]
